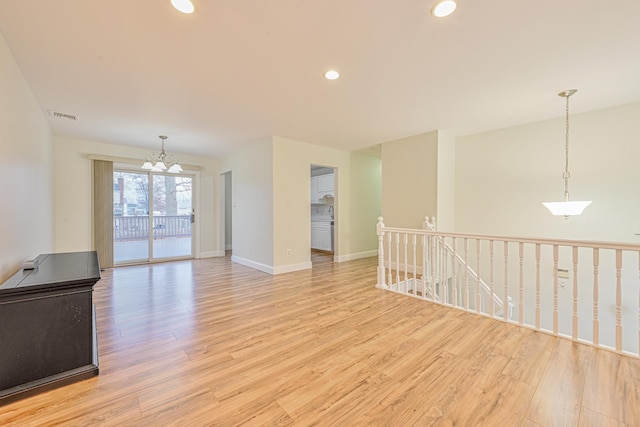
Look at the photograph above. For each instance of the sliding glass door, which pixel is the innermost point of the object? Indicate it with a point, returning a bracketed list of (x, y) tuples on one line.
[(152, 216), (172, 216)]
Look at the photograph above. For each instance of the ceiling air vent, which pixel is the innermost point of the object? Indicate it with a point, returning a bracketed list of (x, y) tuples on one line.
[(59, 115)]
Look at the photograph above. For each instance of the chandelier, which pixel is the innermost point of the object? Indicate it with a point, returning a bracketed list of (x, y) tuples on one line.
[(566, 208), (159, 162)]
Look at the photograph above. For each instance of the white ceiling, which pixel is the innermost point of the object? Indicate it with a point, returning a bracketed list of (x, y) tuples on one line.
[(241, 70)]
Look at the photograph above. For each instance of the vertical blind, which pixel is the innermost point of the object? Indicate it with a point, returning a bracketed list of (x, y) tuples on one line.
[(103, 211)]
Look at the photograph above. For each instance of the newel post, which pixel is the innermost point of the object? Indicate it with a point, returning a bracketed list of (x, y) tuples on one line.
[(429, 223), (380, 231)]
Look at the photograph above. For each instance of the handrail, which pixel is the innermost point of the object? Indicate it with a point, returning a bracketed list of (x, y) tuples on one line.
[(543, 240)]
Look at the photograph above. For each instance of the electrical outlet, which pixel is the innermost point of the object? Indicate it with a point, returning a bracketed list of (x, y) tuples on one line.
[(288, 252)]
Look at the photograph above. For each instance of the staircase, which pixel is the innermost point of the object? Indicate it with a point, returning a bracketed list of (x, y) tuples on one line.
[(427, 267), (496, 304)]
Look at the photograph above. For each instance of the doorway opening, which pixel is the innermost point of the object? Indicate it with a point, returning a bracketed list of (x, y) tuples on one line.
[(228, 213), (323, 213)]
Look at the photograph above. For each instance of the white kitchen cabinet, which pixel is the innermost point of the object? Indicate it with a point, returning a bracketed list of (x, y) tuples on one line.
[(325, 183), (314, 189), (321, 235), (321, 186)]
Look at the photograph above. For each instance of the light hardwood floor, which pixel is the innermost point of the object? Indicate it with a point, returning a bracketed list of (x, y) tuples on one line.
[(209, 342)]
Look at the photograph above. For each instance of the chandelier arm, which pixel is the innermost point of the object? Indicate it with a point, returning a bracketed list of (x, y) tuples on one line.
[(162, 160)]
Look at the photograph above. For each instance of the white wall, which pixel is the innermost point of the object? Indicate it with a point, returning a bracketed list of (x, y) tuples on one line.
[(446, 206), (72, 189), (26, 223), (228, 212), (503, 176), (410, 180), (366, 204), (356, 207), (252, 224)]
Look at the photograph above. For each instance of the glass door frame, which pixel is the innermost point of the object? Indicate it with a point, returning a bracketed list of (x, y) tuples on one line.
[(195, 199)]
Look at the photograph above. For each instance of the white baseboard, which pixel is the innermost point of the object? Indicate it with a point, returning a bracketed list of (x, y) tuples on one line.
[(211, 254), (292, 267), (270, 269), (255, 265), (357, 255)]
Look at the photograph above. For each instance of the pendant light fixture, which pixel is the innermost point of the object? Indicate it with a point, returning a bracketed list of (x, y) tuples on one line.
[(159, 162), (566, 208)]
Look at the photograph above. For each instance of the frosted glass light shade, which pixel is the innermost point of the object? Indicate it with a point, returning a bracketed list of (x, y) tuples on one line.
[(175, 169), (567, 208), (147, 166)]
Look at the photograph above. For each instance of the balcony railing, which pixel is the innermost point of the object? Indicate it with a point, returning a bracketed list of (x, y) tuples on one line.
[(137, 227), (588, 292)]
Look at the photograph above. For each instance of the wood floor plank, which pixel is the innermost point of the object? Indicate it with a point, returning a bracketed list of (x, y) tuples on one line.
[(491, 401), (589, 418), (558, 398), (614, 375), (210, 342), (530, 358)]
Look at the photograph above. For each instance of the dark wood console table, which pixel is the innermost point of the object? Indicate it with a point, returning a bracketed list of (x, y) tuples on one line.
[(47, 325)]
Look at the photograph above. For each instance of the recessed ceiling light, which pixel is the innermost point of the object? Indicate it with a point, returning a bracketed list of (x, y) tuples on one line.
[(332, 74), (184, 6), (443, 8)]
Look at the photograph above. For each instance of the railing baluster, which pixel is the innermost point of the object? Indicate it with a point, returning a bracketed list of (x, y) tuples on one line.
[(555, 289), (398, 262), (538, 286), (596, 321), (454, 278), (478, 279), (424, 266), (406, 263), (381, 273), (521, 279), (414, 280), (505, 301), (434, 242), (443, 272), (575, 294), (618, 300), (466, 275), (390, 260), (493, 295)]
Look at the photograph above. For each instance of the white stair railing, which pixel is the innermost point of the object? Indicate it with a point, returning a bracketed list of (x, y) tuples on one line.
[(588, 292), (463, 264)]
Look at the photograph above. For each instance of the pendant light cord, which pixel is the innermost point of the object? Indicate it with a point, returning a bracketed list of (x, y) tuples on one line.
[(566, 174)]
